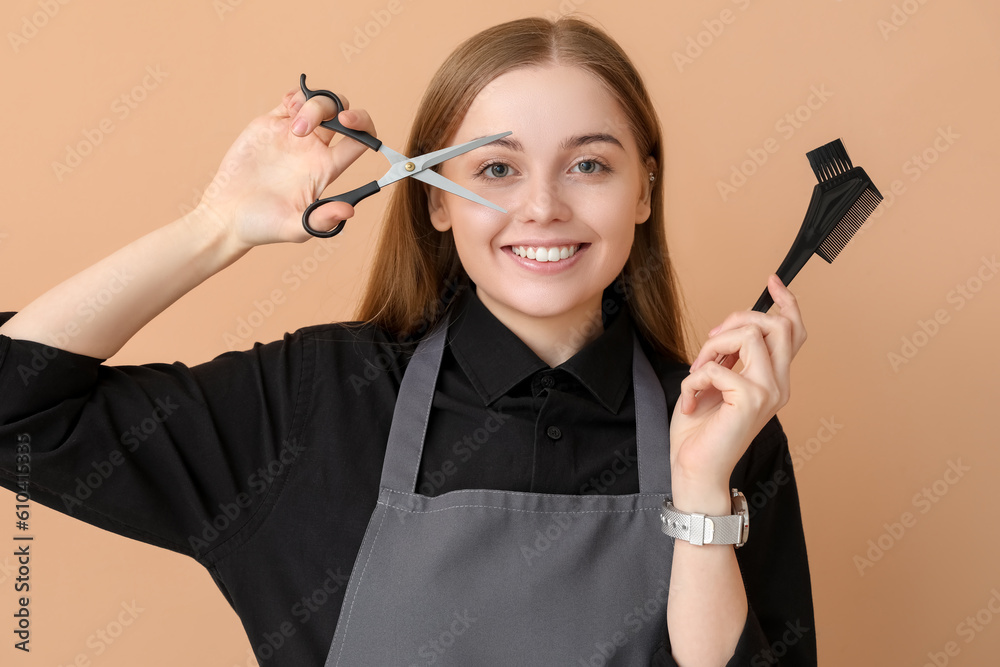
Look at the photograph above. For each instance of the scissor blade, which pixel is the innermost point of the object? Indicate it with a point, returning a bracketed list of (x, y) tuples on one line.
[(428, 160), (439, 181)]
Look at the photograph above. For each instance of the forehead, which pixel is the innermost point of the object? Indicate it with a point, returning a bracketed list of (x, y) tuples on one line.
[(544, 105)]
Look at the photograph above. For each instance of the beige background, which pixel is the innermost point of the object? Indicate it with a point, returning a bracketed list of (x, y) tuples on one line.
[(894, 77)]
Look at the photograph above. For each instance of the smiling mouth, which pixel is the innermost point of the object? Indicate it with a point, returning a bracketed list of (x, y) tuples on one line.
[(543, 254)]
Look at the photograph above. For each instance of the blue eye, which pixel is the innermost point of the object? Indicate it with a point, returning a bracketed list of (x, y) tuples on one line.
[(591, 167), (493, 170)]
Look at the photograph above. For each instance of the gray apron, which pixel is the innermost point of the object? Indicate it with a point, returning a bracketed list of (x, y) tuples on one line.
[(483, 577)]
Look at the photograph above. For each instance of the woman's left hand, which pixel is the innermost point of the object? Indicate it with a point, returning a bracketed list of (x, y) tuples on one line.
[(709, 433)]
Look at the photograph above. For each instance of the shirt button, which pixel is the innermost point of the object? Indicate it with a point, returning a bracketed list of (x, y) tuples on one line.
[(548, 381), (553, 432)]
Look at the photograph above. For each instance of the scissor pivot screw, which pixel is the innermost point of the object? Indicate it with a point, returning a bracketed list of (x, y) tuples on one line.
[(409, 166)]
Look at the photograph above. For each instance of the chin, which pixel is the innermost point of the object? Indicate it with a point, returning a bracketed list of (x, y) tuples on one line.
[(537, 301)]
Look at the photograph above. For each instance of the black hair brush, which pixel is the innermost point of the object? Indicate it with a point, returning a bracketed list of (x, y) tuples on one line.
[(841, 202)]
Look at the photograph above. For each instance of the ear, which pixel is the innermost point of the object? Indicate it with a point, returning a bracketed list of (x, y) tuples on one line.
[(644, 206), (437, 210)]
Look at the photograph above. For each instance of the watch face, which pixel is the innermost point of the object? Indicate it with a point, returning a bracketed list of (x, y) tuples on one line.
[(740, 507)]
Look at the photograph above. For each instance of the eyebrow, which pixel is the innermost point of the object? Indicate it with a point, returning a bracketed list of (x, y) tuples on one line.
[(572, 142)]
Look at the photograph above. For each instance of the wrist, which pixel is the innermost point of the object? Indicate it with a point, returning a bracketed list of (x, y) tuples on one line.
[(712, 525), (221, 243), (708, 500)]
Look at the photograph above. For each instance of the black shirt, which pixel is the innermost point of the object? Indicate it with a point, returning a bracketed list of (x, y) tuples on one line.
[(264, 465)]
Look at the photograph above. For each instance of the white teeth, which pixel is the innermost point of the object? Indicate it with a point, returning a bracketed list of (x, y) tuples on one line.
[(541, 254)]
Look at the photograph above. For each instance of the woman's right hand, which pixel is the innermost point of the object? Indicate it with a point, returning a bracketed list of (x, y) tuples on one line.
[(271, 173)]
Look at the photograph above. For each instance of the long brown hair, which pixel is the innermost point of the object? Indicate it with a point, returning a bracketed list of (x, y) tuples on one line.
[(417, 269)]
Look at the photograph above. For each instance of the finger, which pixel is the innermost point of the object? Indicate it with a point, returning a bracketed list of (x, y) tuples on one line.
[(736, 327), (781, 295), (348, 150), (789, 306), (783, 333), (326, 217), (748, 345), (308, 114), (721, 383)]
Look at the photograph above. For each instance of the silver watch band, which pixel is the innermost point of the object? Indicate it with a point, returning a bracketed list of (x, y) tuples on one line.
[(699, 529)]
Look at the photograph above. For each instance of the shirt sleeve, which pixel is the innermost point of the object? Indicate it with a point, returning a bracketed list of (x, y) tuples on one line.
[(779, 627), (185, 458)]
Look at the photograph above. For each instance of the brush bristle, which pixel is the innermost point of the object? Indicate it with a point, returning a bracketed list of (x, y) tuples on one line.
[(849, 225), (829, 160)]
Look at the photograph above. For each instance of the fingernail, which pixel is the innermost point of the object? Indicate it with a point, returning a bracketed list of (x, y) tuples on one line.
[(715, 330), (346, 115), (299, 126)]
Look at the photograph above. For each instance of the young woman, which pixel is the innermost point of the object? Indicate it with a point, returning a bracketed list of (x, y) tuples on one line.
[(472, 473)]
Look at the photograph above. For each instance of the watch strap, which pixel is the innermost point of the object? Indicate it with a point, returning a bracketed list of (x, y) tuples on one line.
[(699, 529)]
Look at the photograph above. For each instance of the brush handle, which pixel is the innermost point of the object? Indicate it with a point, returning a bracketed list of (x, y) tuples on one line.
[(765, 301)]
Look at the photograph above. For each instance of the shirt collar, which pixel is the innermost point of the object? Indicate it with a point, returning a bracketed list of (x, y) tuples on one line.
[(495, 359)]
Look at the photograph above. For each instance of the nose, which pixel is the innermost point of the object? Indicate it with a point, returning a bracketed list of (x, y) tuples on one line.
[(543, 200)]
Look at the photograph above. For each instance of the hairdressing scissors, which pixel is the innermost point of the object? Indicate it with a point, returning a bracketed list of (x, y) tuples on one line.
[(402, 166)]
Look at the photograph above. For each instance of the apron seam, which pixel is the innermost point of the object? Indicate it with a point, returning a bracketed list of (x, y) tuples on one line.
[(649, 494), (514, 509), (357, 588)]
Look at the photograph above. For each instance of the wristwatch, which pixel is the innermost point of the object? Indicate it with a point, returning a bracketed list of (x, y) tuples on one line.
[(700, 529)]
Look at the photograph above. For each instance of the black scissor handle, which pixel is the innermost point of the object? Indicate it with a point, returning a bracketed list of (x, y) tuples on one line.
[(334, 124), (352, 198)]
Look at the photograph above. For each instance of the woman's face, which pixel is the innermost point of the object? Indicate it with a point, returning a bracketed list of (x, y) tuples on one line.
[(571, 179)]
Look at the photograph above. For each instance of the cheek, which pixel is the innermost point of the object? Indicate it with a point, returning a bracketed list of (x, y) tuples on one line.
[(472, 224)]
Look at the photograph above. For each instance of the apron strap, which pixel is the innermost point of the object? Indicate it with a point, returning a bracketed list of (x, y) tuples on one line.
[(652, 429), (413, 411), (416, 396)]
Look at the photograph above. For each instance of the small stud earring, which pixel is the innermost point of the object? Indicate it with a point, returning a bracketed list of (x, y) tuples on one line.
[(651, 177)]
